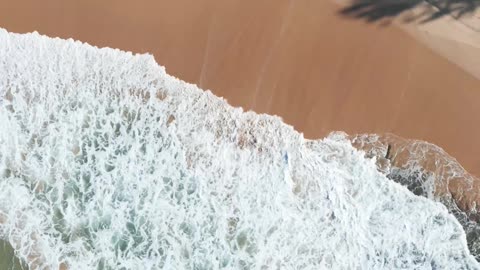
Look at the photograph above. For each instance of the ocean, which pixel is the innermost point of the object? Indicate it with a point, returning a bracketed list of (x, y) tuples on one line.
[(108, 162)]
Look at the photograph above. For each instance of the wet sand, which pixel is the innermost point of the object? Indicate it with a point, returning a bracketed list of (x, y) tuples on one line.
[(297, 59), (426, 170)]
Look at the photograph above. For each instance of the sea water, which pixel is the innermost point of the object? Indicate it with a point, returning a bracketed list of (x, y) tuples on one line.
[(107, 162)]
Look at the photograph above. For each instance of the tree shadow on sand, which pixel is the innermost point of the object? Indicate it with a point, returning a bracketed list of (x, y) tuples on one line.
[(429, 10)]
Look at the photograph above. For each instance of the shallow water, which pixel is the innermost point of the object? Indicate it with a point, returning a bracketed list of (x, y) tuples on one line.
[(428, 171), (108, 162), (8, 260)]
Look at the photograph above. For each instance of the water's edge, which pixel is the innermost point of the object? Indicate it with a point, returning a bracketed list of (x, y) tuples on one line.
[(196, 139), (428, 171)]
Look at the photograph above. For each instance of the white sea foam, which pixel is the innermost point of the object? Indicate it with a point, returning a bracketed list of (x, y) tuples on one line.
[(107, 162)]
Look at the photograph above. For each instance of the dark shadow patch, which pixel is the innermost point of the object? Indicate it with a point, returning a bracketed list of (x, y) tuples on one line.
[(377, 10)]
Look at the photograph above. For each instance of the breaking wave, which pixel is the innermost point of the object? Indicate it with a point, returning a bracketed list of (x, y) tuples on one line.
[(107, 162)]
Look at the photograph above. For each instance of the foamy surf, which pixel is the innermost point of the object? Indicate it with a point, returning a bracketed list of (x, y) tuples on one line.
[(427, 170), (107, 162)]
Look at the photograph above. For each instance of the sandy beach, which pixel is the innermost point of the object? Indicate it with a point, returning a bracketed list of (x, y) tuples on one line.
[(301, 60)]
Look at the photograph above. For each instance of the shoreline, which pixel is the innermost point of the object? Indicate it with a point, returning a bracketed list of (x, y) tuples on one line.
[(391, 151), (316, 69), (272, 63)]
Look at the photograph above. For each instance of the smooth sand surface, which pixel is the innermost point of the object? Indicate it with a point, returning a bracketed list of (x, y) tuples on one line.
[(297, 59), (456, 39)]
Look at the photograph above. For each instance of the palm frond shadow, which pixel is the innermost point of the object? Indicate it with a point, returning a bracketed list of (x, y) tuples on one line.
[(378, 10)]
